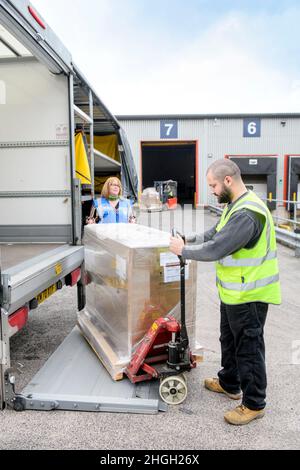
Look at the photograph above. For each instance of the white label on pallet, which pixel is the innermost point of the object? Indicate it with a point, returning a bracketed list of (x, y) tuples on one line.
[(172, 273), (168, 258)]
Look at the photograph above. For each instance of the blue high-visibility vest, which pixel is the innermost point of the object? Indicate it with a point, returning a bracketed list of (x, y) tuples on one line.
[(109, 215)]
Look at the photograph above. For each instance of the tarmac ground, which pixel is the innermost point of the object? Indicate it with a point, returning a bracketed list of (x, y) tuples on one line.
[(196, 424)]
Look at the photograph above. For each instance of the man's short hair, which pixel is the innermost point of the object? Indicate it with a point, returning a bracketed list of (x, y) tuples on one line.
[(224, 167)]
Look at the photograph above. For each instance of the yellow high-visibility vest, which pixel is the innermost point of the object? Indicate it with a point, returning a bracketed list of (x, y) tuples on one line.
[(250, 274)]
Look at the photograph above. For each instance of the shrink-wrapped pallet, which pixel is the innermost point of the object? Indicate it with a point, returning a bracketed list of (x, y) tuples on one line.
[(150, 200), (133, 279)]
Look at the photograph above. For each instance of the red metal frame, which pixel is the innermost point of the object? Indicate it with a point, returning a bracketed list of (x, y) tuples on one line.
[(152, 349), (172, 203), (197, 173), (286, 175), (141, 166), (228, 155)]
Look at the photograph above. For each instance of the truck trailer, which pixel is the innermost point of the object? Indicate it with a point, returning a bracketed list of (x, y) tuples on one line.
[(44, 100)]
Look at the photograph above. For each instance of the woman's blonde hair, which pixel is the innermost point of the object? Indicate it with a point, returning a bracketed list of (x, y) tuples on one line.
[(108, 182)]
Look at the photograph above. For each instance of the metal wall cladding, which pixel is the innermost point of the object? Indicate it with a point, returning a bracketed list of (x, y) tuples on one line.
[(220, 136)]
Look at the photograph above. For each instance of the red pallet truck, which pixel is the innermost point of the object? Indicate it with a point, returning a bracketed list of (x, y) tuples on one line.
[(164, 352)]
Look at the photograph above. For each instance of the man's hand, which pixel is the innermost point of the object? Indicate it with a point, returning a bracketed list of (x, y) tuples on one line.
[(176, 245)]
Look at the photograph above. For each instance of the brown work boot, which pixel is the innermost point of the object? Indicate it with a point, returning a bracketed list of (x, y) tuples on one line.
[(243, 415), (213, 385)]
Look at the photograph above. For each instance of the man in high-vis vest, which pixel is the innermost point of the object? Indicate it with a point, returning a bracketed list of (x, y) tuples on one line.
[(243, 244)]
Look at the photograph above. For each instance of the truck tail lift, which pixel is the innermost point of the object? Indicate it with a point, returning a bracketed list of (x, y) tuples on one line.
[(164, 353)]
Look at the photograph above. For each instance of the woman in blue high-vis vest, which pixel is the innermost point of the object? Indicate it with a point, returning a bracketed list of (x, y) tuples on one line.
[(111, 207)]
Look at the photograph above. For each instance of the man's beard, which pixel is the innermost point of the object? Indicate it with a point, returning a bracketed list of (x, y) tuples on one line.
[(225, 197)]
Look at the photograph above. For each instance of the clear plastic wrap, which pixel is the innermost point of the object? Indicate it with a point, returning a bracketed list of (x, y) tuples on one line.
[(150, 200), (134, 279)]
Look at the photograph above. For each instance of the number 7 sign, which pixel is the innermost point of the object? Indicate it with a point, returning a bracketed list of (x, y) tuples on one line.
[(169, 129)]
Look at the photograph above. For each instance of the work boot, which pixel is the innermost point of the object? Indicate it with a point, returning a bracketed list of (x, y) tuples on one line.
[(213, 385), (243, 415)]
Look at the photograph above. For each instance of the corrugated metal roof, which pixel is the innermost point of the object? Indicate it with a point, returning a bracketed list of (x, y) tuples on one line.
[(154, 117)]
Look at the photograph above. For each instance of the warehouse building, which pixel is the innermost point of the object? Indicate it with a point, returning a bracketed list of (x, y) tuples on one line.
[(266, 147)]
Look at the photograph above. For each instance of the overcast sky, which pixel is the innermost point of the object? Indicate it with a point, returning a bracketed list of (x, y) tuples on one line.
[(184, 56)]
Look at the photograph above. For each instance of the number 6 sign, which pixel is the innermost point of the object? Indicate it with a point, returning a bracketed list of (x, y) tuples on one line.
[(251, 127)]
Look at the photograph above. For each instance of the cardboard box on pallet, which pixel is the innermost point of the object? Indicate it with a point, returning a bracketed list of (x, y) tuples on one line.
[(134, 279)]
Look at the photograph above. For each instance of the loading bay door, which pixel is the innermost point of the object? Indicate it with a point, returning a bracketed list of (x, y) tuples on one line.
[(171, 161), (294, 180), (259, 174)]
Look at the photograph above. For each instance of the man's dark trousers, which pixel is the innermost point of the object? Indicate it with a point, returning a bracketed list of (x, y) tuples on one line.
[(243, 352)]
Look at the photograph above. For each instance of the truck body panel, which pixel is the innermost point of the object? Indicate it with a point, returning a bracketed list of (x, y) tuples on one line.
[(44, 99)]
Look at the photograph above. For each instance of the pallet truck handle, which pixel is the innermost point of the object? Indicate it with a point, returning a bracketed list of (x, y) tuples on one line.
[(174, 234), (182, 292)]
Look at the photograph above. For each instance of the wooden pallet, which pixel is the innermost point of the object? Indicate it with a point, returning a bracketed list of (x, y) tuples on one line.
[(100, 346)]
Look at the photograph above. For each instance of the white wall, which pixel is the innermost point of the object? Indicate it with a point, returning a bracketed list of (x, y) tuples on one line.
[(35, 110)]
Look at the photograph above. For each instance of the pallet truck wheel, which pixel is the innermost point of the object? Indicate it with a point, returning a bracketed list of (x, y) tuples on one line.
[(173, 390)]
